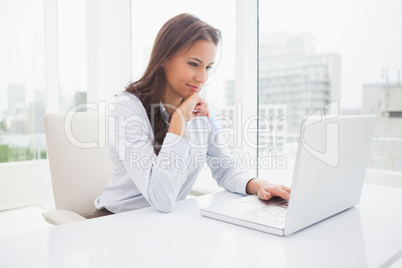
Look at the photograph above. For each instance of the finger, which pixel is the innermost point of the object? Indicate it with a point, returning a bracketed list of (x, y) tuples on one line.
[(286, 188), (264, 195), (194, 100), (200, 100), (278, 191), (203, 112), (202, 106), (284, 194)]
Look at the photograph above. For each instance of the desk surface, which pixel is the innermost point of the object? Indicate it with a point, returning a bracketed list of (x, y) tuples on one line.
[(369, 235)]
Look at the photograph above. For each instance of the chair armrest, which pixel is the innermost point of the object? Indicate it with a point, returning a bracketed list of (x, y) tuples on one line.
[(61, 216)]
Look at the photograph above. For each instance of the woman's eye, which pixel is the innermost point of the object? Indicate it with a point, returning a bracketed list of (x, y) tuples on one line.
[(209, 68), (193, 64)]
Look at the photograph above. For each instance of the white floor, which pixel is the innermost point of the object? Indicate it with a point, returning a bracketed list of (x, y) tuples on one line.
[(22, 220)]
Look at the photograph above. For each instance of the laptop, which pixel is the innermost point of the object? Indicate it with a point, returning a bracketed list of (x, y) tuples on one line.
[(328, 178)]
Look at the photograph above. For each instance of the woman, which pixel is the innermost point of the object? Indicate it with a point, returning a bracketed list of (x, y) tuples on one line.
[(160, 131)]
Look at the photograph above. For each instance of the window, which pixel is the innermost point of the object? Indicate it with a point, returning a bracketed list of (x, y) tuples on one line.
[(53, 54), (72, 56), (22, 83), (316, 52)]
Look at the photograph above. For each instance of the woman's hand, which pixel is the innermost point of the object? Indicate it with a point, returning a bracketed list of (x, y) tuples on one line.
[(266, 190), (193, 106)]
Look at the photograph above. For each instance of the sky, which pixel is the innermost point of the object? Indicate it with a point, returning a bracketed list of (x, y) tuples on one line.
[(19, 21), (364, 32)]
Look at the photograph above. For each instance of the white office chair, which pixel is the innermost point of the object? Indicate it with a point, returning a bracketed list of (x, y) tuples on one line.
[(79, 163)]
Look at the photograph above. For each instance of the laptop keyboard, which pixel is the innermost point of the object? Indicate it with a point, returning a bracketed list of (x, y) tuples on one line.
[(274, 213)]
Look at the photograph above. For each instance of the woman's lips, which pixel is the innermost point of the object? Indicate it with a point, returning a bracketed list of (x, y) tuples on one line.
[(193, 87)]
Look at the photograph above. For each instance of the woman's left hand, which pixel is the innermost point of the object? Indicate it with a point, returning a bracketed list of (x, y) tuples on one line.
[(266, 190)]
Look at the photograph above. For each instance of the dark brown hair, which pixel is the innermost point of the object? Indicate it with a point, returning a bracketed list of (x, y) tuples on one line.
[(179, 33)]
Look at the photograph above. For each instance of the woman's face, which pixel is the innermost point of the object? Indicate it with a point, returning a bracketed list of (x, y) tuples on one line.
[(188, 70)]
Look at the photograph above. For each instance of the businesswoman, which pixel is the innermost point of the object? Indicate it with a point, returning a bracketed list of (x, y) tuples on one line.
[(161, 133)]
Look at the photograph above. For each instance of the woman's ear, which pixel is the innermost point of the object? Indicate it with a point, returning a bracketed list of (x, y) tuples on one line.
[(163, 63)]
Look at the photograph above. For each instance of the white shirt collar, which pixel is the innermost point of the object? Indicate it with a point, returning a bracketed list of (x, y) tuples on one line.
[(164, 113)]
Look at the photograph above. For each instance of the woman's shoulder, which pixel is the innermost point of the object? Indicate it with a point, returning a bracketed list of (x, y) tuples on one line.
[(126, 96), (128, 101)]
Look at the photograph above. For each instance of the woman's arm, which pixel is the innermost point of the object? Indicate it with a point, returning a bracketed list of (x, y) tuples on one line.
[(158, 178), (193, 106), (232, 175)]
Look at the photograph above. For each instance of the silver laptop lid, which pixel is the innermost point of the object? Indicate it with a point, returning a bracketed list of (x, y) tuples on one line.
[(330, 168)]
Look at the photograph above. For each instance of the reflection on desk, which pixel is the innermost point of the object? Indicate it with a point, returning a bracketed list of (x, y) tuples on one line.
[(368, 235)]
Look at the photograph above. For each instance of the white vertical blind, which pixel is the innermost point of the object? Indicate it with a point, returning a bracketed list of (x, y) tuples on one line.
[(51, 57), (246, 83), (109, 48)]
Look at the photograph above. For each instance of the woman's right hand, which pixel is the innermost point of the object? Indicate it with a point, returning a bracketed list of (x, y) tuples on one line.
[(193, 106)]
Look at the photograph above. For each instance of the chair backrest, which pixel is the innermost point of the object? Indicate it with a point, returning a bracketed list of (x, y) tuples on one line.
[(78, 157)]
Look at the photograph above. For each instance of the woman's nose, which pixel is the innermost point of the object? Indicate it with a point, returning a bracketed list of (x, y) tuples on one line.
[(201, 76)]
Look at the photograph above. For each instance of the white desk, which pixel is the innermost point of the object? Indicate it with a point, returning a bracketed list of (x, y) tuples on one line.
[(366, 236)]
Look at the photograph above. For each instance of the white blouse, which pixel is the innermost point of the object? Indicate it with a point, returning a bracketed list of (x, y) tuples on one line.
[(140, 178)]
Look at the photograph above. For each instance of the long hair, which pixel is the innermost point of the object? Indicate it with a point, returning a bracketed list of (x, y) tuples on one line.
[(177, 34)]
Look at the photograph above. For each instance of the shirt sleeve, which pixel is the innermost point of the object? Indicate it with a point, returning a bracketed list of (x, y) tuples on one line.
[(224, 168), (159, 178)]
